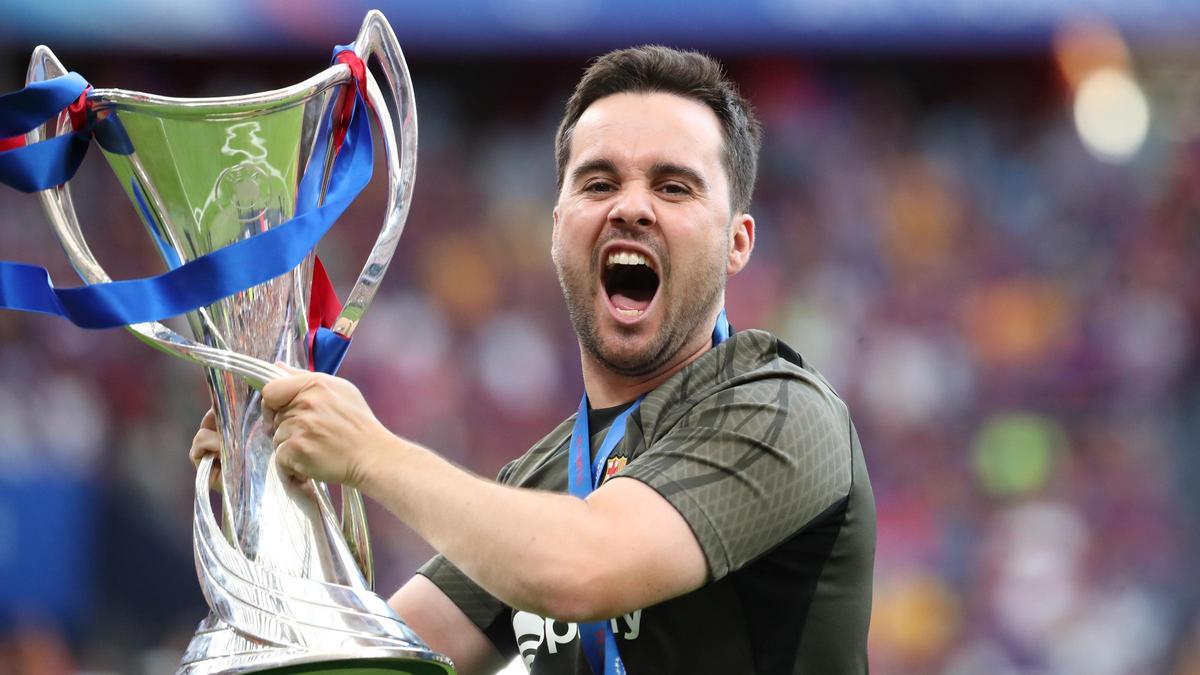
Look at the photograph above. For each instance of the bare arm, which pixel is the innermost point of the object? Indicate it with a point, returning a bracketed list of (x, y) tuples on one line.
[(443, 626), (623, 548)]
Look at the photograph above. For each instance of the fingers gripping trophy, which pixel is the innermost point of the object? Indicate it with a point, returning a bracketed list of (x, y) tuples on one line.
[(235, 193)]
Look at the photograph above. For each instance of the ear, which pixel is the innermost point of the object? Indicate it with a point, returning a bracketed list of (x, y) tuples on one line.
[(554, 233), (741, 243)]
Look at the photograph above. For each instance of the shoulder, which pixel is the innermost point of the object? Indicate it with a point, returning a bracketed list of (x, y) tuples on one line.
[(753, 379), (751, 445)]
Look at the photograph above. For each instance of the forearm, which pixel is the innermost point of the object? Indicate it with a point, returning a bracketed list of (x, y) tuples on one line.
[(623, 548), (444, 627), (529, 548)]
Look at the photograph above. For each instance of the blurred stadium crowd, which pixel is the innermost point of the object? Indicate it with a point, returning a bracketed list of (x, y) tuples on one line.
[(1013, 323)]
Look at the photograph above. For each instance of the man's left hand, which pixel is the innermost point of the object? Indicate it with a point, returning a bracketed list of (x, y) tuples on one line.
[(322, 427)]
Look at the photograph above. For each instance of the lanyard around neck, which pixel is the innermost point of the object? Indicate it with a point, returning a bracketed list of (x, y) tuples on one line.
[(585, 474)]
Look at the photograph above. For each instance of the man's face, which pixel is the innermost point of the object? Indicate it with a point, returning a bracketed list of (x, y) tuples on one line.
[(642, 228)]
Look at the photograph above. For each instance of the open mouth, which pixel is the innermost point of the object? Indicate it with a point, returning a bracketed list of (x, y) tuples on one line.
[(629, 282)]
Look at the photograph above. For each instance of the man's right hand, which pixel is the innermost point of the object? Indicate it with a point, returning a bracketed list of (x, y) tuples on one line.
[(207, 441)]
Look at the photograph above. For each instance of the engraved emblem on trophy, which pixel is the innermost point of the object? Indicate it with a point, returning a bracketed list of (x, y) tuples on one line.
[(286, 573)]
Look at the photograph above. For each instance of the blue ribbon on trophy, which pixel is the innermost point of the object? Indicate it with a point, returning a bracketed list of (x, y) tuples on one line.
[(208, 278)]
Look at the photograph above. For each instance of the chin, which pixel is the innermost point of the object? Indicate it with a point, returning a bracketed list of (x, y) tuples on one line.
[(631, 353)]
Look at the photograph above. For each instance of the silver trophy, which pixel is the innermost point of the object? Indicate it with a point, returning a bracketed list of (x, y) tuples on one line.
[(287, 577)]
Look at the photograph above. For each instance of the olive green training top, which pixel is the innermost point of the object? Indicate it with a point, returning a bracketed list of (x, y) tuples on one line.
[(758, 454)]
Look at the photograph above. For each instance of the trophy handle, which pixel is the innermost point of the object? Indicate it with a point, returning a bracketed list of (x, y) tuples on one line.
[(376, 38)]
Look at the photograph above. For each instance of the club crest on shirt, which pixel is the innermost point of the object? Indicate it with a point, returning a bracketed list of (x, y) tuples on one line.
[(614, 465)]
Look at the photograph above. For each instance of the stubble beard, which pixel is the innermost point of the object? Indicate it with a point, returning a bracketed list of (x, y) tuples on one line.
[(698, 291)]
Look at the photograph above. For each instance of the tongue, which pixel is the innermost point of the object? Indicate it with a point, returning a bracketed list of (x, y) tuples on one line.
[(627, 303)]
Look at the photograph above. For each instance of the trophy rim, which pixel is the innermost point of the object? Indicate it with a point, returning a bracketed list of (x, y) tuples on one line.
[(113, 99)]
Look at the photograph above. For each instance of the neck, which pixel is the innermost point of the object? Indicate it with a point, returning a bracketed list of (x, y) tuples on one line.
[(605, 388)]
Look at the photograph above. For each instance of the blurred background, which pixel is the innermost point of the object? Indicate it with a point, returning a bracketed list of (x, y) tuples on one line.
[(980, 220)]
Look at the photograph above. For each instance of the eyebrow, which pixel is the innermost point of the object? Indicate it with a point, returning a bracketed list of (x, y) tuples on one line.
[(657, 170), (593, 166), (660, 169)]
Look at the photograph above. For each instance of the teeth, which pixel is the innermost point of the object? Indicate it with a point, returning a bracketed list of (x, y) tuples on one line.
[(626, 258), (630, 312)]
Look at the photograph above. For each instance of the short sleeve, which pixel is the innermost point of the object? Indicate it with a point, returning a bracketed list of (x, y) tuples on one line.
[(488, 614), (752, 465)]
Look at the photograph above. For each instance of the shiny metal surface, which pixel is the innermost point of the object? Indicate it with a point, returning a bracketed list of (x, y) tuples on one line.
[(287, 581)]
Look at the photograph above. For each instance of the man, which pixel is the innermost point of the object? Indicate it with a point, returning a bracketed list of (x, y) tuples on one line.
[(733, 527)]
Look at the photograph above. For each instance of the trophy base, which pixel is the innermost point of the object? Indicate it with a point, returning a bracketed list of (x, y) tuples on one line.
[(419, 663), (362, 667), (219, 650)]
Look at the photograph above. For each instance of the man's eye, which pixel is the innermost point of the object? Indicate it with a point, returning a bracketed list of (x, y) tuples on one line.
[(675, 189), (599, 187)]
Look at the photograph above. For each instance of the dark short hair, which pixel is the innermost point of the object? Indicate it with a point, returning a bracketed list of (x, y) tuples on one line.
[(689, 74)]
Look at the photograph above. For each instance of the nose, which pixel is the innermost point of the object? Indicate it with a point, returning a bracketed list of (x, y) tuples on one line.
[(633, 207)]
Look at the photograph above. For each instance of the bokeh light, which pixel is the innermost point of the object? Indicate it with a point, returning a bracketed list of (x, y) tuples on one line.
[(1015, 453), (1111, 114)]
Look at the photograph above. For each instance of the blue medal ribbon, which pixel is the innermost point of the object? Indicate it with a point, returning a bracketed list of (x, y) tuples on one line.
[(597, 640), (199, 282)]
